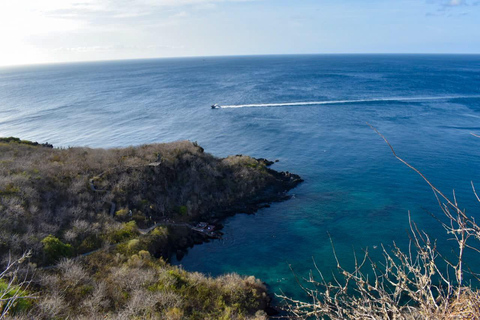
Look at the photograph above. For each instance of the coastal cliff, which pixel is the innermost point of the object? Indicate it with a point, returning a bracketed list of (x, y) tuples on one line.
[(129, 208)]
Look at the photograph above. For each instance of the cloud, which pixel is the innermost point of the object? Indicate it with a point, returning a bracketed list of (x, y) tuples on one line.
[(445, 4), (114, 48), (114, 6), (91, 10), (450, 8), (455, 3), (139, 12)]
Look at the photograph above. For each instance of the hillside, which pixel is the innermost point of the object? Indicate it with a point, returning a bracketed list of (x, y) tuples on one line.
[(130, 208)]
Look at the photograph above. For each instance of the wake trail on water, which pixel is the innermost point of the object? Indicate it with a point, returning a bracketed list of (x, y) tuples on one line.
[(327, 102)]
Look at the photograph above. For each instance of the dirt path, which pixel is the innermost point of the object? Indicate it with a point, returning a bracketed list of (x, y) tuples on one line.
[(166, 223)]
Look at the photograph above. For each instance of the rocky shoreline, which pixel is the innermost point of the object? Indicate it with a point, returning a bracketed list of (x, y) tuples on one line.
[(109, 213), (185, 238)]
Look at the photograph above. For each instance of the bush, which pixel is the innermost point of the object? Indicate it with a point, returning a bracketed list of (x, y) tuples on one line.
[(55, 249), (71, 192), (14, 297), (134, 246), (19, 304), (126, 231), (47, 191), (160, 232), (122, 213), (182, 210)]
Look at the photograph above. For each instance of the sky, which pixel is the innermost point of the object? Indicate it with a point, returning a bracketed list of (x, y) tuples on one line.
[(52, 31)]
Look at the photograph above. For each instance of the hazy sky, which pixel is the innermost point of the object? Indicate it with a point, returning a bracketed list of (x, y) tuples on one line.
[(37, 31)]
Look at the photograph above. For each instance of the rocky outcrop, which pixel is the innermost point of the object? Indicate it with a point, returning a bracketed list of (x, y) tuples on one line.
[(275, 191)]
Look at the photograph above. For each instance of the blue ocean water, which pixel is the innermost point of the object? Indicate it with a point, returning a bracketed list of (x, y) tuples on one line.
[(354, 189)]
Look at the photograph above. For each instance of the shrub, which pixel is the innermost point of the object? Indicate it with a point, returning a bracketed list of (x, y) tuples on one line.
[(160, 232), (122, 213), (182, 210), (90, 243), (174, 314), (7, 292), (14, 297), (45, 191), (55, 249), (71, 192), (9, 189), (133, 246), (127, 231)]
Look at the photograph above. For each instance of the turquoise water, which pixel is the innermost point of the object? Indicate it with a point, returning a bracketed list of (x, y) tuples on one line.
[(354, 188)]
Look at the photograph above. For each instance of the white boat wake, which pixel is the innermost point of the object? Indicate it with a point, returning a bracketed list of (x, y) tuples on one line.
[(327, 102)]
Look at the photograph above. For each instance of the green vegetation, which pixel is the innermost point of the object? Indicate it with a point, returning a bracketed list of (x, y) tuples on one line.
[(125, 231), (131, 284), (65, 203), (25, 142), (20, 304), (56, 249), (69, 194), (134, 285)]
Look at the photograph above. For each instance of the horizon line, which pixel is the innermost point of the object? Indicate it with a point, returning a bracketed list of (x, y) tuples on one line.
[(233, 56)]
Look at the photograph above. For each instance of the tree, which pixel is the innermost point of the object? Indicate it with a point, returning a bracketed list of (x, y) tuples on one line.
[(55, 249)]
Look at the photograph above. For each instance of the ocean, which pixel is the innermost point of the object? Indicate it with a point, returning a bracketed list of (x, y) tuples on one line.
[(310, 112)]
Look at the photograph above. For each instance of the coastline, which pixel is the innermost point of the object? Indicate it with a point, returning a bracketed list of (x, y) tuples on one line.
[(187, 237), (97, 210)]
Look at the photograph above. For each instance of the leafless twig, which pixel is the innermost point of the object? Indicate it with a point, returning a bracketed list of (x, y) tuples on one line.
[(411, 285), (13, 285)]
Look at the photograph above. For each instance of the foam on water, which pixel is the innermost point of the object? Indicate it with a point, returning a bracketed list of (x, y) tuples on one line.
[(314, 103)]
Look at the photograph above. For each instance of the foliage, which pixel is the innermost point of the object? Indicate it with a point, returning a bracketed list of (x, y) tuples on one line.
[(86, 198), (99, 205), (122, 213), (7, 292), (134, 285), (124, 232), (14, 295), (26, 142), (56, 249)]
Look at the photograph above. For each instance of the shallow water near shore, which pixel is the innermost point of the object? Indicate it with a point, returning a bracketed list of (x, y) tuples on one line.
[(354, 189)]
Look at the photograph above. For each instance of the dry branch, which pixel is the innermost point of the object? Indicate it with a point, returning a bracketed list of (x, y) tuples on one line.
[(409, 285)]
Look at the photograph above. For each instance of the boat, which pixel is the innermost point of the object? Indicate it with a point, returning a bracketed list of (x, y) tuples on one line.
[(215, 106)]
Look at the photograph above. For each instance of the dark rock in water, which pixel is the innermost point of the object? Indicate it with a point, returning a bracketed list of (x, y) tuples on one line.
[(271, 311), (268, 163), (180, 254), (198, 239), (275, 190)]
